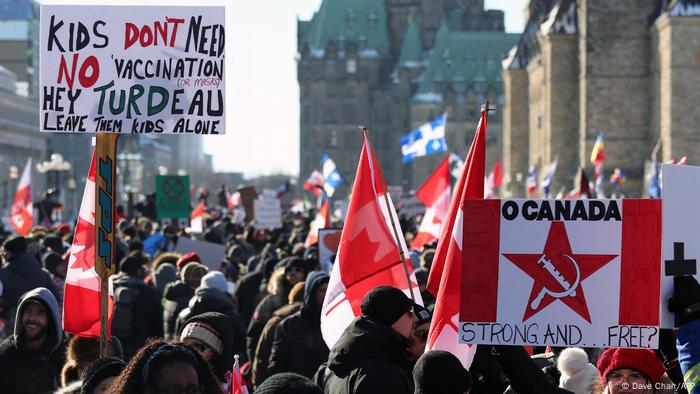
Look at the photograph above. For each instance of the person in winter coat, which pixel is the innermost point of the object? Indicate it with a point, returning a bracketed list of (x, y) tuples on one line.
[(211, 296), (262, 352), (248, 288), (31, 359), (630, 371), (278, 289), (21, 273), (177, 294), (577, 374), (370, 356), (440, 372), (298, 345), (211, 333), (138, 314)]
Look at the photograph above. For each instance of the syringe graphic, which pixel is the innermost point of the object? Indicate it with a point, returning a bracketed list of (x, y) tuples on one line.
[(549, 267)]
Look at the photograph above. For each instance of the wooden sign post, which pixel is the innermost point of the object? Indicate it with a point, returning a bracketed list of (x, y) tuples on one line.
[(105, 208)]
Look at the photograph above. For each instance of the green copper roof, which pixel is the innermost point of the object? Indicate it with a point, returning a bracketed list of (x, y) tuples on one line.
[(464, 60), (362, 21), (411, 54)]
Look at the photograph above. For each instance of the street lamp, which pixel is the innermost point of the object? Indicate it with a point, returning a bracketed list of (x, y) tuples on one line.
[(8, 184), (53, 169)]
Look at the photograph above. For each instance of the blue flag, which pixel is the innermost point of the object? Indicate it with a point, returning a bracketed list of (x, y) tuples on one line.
[(427, 139), (331, 176)]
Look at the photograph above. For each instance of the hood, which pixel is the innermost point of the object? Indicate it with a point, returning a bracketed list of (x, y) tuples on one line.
[(206, 299), (165, 274), (25, 265), (223, 326), (313, 281), (54, 335), (362, 340)]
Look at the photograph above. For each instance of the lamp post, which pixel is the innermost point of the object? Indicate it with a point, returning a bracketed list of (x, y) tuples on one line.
[(53, 168), (13, 174)]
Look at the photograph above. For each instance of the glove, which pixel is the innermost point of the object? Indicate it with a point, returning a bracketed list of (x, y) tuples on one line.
[(685, 301)]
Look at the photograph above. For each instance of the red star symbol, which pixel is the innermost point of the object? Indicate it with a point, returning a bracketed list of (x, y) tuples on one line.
[(556, 250)]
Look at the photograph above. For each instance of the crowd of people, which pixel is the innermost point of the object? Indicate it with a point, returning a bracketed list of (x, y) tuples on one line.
[(179, 323)]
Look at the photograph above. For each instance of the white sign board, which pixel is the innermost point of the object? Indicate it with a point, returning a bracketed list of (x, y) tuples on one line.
[(561, 272), (210, 253), (328, 240), (132, 69), (681, 229), (268, 212)]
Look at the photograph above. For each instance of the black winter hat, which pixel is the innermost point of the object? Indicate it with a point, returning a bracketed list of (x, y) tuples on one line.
[(51, 260), (385, 304), (132, 262), (440, 372), (16, 245), (288, 383), (99, 370)]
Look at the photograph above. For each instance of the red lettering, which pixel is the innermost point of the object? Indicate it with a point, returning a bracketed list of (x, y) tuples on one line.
[(86, 80), (146, 37), (161, 29), (131, 34), (175, 23), (63, 71)]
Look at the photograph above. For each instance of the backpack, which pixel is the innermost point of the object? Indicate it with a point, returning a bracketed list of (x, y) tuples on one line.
[(124, 318)]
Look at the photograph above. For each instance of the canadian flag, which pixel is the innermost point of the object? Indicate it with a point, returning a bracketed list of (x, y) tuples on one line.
[(445, 274), (435, 194), (233, 200), (81, 301), (22, 213), (321, 221), (235, 379), (368, 253), (494, 180), (197, 218)]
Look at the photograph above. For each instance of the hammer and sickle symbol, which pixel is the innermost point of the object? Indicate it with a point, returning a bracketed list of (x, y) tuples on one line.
[(569, 289)]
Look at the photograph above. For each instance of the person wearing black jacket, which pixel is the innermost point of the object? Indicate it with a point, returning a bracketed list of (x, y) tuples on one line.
[(138, 314), (177, 294), (211, 296), (211, 333), (370, 356), (248, 288), (298, 345)]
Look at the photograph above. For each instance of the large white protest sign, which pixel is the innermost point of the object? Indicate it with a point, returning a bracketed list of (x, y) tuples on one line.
[(132, 69), (561, 272), (681, 227), (268, 212), (210, 253)]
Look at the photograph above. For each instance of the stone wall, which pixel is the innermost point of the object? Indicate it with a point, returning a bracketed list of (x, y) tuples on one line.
[(515, 130)]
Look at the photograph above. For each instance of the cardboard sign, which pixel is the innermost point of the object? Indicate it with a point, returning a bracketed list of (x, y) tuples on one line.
[(173, 196), (268, 212), (210, 253), (681, 227), (132, 69), (561, 272), (328, 240), (248, 195)]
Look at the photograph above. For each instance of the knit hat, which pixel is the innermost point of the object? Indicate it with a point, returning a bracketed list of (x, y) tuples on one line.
[(51, 260), (641, 360), (16, 245), (165, 274), (422, 314), (99, 370), (288, 383), (204, 333), (214, 280), (187, 258), (131, 262), (385, 304), (440, 372), (192, 274), (577, 374)]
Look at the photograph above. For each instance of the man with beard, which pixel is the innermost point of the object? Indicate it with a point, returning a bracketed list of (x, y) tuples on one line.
[(298, 345), (31, 359)]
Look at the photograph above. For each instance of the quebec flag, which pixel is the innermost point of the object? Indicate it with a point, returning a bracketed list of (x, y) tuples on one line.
[(331, 176), (427, 139)]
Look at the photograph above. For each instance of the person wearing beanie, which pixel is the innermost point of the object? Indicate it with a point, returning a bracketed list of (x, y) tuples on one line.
[(81, 352), (211, 333), (187, 258), (57, 267), (630, 370), (262, 351), (100, 374), (577, 374), (298, 344), (440, 372), (370, 355), (248, 287), (419, 336), (138, 312), (21, 273), (164, 274), (288, 383), (177, 294), (211, 296)]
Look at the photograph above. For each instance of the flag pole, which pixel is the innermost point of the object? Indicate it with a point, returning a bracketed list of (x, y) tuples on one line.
[(391, 217)]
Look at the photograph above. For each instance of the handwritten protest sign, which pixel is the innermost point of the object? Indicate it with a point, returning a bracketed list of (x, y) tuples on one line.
[(132, 69), (561, 272), (268, 212), (681, 226)]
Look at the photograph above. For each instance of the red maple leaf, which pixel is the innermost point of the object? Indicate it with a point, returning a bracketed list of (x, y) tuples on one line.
[(83, 249)]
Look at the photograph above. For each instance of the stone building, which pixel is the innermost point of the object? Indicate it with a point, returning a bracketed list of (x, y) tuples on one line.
[(393, 65), (627, 68)]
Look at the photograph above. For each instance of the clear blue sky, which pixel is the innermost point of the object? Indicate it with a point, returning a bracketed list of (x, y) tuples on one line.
[(262, 90)]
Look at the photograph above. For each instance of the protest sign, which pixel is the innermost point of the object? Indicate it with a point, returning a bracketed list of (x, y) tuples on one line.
[(173, 197), (681, 242), (328, 240), (561, 272), (268, 212), (210, 253), (248, 195), (132, 69)]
